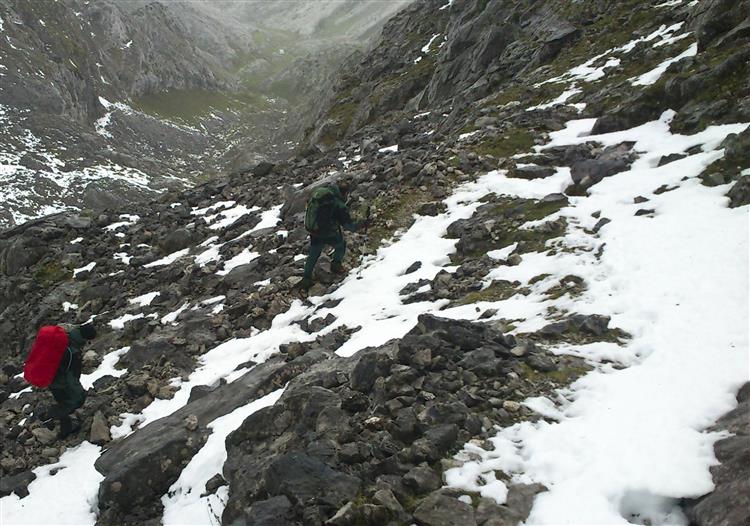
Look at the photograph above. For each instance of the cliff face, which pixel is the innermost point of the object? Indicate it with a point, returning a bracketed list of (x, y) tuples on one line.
[(535, 327)]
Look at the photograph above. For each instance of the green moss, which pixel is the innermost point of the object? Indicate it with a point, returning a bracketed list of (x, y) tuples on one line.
[(537, 279), (563, 376), (572, 285), (51, 273), (189, 106), (513, 141), (497, 291)]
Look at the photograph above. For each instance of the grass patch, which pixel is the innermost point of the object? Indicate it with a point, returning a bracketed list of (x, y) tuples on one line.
[(51, 273), (513, 141), (190, 106), (497, 291), (563, 376), (570, 284)]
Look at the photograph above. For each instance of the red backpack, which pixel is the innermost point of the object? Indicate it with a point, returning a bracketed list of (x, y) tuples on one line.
[(45, 356)]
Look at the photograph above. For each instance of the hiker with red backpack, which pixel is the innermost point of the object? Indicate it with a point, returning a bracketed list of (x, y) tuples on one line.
[(55, 361), (325, 216)]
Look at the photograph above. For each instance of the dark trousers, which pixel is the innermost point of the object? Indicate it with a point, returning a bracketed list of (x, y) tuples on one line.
[(317, 244), (69, 395)]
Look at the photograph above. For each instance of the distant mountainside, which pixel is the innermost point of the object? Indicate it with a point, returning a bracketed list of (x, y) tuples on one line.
[(104, 102)]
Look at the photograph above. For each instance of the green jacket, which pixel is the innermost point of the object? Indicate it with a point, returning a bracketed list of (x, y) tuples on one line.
[(339, 218), (72, 361)]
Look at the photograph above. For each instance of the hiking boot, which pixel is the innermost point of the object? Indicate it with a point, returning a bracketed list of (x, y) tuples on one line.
[(305, 284), (337, 268), (68, 426)]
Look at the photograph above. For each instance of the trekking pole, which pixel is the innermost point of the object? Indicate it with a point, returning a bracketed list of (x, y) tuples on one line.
[(366, 242)]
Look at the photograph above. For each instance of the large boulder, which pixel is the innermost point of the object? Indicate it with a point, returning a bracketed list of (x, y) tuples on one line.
[(729, 503)]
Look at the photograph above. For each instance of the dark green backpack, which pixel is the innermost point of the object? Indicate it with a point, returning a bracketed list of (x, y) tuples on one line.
[(319, 213)]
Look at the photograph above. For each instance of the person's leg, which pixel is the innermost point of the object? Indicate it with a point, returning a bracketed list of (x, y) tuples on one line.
[(339, 251), (61, 410), (69, 397), (316, 248)]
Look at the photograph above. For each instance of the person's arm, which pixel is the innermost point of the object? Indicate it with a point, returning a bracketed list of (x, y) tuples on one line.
[(345, 219), (74, 356)]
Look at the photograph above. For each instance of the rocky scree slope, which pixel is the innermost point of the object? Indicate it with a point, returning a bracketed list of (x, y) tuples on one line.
[(365, 429)]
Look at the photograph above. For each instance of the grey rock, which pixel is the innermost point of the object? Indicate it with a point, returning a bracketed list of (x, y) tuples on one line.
[(17, 484), (591, 171), (301, 478), (729, 503), (100, 433), (275, 511), (44, 435), (531, 171), (176, 240), (422, 479), (386, 498), (439, 509)]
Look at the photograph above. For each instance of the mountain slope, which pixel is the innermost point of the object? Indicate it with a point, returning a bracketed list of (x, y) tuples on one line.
[(108, 101), (534, 329)]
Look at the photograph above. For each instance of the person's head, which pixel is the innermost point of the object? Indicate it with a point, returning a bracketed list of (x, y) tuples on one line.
[(88, 331), (344, 187)]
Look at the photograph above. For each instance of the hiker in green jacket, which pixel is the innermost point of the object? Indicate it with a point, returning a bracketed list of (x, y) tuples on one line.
[(326, 215), (66, 388)]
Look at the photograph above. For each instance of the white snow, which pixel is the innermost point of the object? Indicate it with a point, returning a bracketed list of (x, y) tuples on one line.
[(370, 299), (85, 268), (67, 306), (183, 504), (101, 125), (221, 362), (216, 206), (122, 257), (106, 368), (145, 299), (389, 149), (426, 47), (564, 96), (655, 74), (48, 502), (466, 135), (229, 216), (119, 323), (243, 258), (76, 240), (268, 219), (631, 441), (172, 316), (169, 259), (209, 255), (127, 220)]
